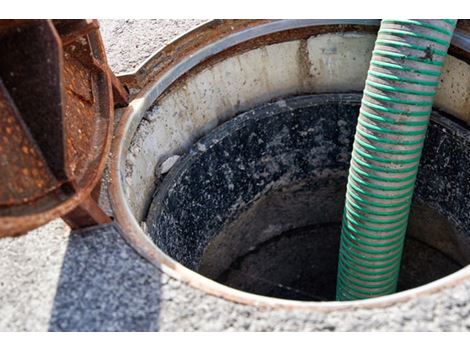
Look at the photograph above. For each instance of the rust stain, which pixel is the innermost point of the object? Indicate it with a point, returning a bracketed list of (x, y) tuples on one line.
[(56, 115)]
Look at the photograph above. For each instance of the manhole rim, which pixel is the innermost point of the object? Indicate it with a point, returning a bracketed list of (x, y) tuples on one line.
[(135, 236)]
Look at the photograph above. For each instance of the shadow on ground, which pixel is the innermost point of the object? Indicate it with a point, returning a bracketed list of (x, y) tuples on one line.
[(105, 285)]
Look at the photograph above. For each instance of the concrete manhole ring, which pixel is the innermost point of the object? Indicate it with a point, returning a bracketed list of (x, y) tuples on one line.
[(262, 60)]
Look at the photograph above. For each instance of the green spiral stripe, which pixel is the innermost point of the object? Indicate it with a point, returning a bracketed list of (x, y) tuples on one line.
[(373, 220), (379, 252), (397, 101), (385, 160), (414, 34), (400, 90), (352, 219), (383, 169), (382, 187), (368, 285), (394, 43), (402, 79), (374, 212), (379, 196), (371, 244), (354, 275), (352, 258), (451, 22), (389, 151), (364, 273), (404, 68), (367, 291), (379, 205), (387, 148), (421, 24), (380, 178), (392, 121), (391, 131), (369, 236), (388, 141), (364, 289), (347, 296), (407, 57), (371, 266)]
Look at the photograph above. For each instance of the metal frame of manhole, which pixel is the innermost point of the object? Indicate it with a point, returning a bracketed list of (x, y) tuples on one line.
[(196, 49), (57, 98)]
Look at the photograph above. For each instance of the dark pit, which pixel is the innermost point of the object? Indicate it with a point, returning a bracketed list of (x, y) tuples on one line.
[(257, 203)]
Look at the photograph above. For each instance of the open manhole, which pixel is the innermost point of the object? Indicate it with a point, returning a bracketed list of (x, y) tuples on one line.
[(257, 203), (262, 120)]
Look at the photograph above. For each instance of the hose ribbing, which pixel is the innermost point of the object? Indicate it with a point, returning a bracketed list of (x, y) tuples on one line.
[(401, 83)]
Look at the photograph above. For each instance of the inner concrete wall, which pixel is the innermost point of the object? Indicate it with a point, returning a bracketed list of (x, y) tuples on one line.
[(327, 63)]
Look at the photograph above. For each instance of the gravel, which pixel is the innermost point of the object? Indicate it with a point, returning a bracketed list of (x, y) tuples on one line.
[(129, 42), (30, 267), (104, 285)]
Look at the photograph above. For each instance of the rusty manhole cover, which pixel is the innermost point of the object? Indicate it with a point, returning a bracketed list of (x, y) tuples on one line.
[(56, 106)]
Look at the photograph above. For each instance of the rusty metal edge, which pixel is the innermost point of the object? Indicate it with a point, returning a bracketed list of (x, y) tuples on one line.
[(459, 41), (10, 224), (134, 235)]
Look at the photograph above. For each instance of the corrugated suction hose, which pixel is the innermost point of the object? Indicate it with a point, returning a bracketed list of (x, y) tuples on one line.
[(401, 83)]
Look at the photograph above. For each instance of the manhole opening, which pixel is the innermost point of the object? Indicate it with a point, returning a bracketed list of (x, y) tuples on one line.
[(257, 203)]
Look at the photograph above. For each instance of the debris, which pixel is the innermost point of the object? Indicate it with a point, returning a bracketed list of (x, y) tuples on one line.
[(168, 164)]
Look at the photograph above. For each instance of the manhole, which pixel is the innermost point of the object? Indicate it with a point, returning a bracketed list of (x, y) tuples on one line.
[(257, 203), (262, 115)]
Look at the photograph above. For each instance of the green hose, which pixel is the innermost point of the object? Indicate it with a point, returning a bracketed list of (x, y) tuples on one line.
[(402, 81)]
